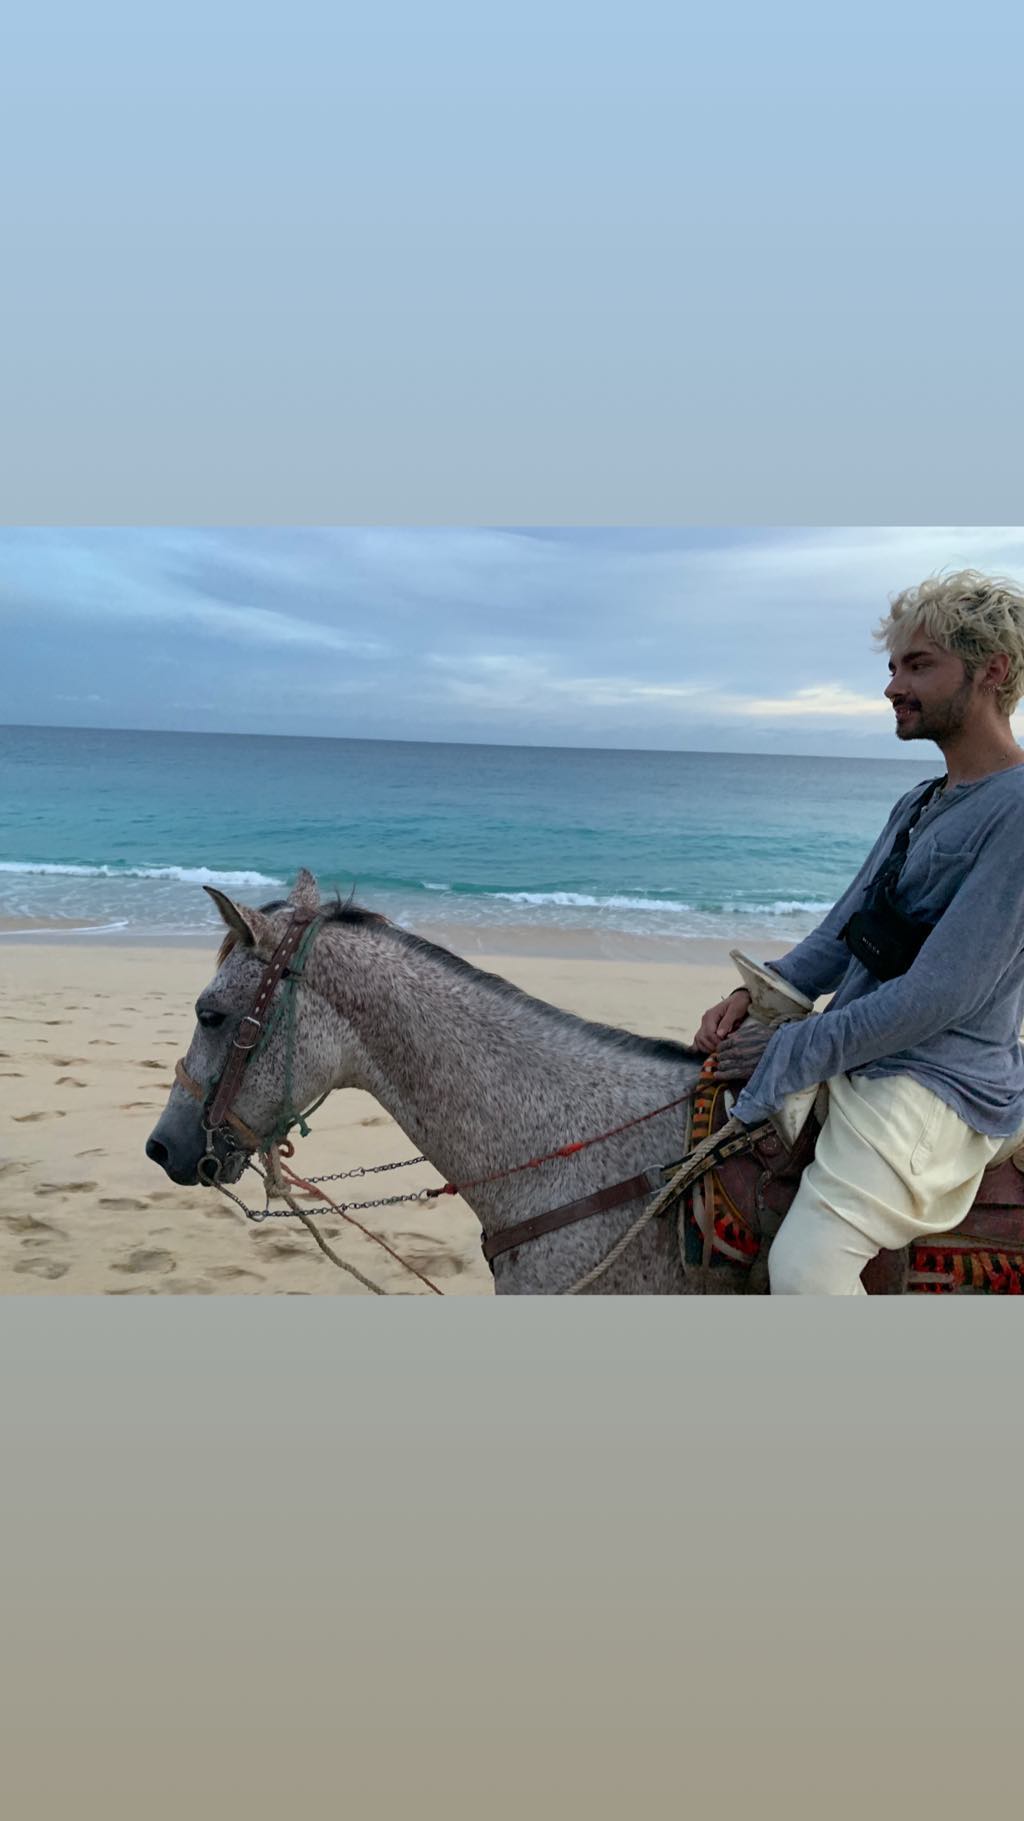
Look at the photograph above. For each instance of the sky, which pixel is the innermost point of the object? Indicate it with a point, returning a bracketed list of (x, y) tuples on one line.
[(742, 640)]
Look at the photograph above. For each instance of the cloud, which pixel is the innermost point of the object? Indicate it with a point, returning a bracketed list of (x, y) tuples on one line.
[(503, 681), (826, 701), (507, 682), (720, 637), (91, 578)]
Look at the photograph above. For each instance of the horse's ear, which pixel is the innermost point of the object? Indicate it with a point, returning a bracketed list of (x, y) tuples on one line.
[(305, 893), (249, 925)]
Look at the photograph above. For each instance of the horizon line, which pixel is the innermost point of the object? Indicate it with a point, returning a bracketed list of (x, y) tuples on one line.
[(900, 752)]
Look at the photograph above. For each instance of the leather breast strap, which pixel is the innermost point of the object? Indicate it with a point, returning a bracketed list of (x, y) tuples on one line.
[(614, 1197)]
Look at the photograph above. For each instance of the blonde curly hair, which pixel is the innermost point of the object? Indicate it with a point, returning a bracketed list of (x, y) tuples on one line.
[(974, 616)]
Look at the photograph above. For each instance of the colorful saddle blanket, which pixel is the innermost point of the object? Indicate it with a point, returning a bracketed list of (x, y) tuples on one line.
[(733, 1213)]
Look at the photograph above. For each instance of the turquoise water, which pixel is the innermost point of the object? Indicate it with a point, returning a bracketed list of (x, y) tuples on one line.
[(120, 830)]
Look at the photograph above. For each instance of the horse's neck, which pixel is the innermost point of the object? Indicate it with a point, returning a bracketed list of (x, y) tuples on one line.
[(482, 1080)]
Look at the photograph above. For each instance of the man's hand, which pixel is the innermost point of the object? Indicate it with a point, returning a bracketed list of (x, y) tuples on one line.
[(739, 1055), (721, 1019)]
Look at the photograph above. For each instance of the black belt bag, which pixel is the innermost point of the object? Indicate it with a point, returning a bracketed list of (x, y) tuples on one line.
[(885, 941), (881, 937)]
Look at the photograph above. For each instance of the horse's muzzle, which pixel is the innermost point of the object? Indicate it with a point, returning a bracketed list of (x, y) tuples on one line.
[(181, 1157), (158, 1153)]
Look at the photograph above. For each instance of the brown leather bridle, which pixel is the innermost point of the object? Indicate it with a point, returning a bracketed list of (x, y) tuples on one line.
[(218, 1101)]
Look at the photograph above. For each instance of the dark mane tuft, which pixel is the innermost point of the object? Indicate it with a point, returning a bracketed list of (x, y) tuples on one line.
[(339, 912)]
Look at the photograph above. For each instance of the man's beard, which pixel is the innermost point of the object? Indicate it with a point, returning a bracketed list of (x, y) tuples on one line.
[(940, 722)]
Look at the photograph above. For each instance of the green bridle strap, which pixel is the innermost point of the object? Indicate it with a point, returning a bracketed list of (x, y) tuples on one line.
[(289, 1115)]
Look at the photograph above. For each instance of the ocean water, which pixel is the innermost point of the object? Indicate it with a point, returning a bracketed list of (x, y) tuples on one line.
[(117, 832)]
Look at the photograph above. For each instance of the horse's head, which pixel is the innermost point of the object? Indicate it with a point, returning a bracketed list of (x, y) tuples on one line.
[(215, 1116)]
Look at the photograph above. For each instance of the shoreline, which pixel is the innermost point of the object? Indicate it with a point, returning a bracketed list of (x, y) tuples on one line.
[(483, 946)]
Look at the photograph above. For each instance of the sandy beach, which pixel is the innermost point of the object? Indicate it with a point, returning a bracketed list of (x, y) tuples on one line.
[(88, 1041)]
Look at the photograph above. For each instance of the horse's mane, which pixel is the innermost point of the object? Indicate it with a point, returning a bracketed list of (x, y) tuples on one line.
[(355, 916)]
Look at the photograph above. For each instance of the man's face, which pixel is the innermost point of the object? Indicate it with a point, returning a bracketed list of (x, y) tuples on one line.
[(929, 690)]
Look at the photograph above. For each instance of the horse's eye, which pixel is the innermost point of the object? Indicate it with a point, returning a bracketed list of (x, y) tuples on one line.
[(210, 1020)]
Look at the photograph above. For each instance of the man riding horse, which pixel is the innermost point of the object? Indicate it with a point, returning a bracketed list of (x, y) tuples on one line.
[(921, 1044)]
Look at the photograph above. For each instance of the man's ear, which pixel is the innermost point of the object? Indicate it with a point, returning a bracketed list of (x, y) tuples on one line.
[(250, 926), (996, 670)]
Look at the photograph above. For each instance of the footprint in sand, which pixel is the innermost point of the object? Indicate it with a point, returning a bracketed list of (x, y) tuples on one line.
[(123, 1203), (147, 1259), (68, 1081), (133, 1106), (65, 1188), (11, 1074), (229, 1271), (66, 1062), (42, 1241), (9, 1167), (41, 1267), (423, 1251), (150, 1064), (379, 1119), (30, 1118), (107, 1042), (97, 1151), (31, 1226), (279, 1248)]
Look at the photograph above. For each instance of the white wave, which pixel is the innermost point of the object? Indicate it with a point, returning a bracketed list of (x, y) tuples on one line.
[(429, 886), (86, 929), (780, 907), (583, 901), (187, 875)]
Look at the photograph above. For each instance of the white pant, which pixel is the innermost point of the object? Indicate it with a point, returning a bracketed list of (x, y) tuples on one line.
[(893, 1163)]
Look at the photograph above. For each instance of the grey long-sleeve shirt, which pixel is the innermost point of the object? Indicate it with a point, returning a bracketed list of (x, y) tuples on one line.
[(953, 1020)]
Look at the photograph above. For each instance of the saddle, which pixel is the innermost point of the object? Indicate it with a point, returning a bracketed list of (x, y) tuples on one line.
[(732, 1214)]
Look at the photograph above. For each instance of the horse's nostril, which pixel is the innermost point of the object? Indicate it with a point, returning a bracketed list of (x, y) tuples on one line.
[(157, 1152)]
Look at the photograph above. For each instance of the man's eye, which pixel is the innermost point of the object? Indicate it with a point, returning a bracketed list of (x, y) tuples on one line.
[(210, 1021)]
